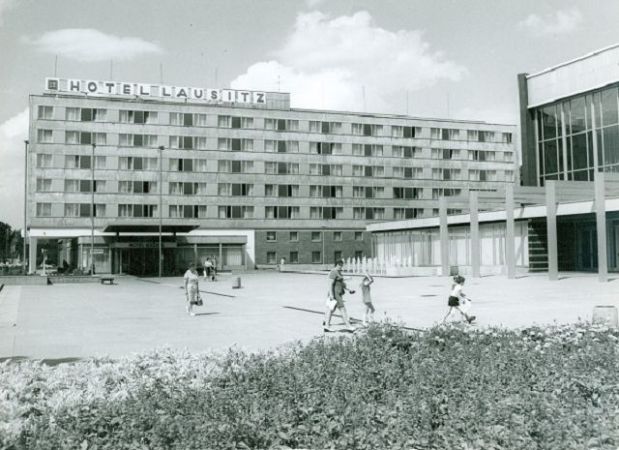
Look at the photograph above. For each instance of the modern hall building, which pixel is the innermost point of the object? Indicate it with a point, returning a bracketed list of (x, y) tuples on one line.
[(567, 212), (124, 171)]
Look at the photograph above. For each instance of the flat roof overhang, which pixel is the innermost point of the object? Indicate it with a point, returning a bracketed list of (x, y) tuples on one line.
[(148, 228)]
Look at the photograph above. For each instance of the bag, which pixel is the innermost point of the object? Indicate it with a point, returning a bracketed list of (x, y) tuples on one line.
[(197, 302), (331, 304)]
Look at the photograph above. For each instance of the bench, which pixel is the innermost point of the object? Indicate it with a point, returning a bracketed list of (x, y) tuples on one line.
[(107, 280)]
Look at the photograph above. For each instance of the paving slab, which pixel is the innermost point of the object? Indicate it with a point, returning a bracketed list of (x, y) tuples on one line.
[(271, 309)]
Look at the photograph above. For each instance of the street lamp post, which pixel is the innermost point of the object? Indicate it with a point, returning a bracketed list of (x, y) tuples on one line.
[(160, 203), (92, 210), (26, 142)]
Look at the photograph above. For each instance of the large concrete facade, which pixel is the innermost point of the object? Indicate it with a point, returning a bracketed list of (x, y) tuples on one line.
[(247, 183)]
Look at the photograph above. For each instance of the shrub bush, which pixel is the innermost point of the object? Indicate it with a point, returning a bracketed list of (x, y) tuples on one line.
[(449, 387)]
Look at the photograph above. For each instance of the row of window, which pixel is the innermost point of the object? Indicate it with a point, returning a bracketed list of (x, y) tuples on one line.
[(243, 189), (231, 211), (272, 146), (242, 122), (316, 257), (316, 236)]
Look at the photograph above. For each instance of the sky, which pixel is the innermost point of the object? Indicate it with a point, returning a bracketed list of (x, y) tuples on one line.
[(435, 58)]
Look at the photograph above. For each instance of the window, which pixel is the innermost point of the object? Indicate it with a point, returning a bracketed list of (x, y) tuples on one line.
[(44, 209), (137, 210), (281, 125), (45, 136), (402, 131), (44, 160), (77, 162), (235, 144), (399, 151), (271, 258), (188, 119), (281, 168), (367, 129), (358, 235), (325, 212), (406, 192), (358, 254), (271, 236), (337, 236), (45, 112), (281, 212), (325, 127), (137, 163), (236, 212), (472, 135), (435, 133), (187, 211), (140, 117), (294, 257), (405, 213), (316, 257), (294, 236), (92, 114), (44, 184), (372, 150), (235, 122), (506, 138), (137, 140)]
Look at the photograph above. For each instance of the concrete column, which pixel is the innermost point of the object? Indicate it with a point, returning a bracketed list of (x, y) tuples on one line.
[(475, 246), (600, 226), (220, 260), (510, 238), (551, 230), (444, 235), (32, 258)]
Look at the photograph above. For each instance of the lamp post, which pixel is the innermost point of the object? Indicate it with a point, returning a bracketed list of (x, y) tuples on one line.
[(160, 205), (92, 210), (26, 142)]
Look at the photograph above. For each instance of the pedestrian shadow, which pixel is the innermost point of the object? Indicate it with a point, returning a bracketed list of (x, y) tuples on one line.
[(208, 314)]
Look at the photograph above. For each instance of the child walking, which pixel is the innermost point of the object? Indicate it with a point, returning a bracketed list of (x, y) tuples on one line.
[(368, 314), (457, 299)]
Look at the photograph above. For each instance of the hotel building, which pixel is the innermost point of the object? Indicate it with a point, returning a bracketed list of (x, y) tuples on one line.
[(236, 175)]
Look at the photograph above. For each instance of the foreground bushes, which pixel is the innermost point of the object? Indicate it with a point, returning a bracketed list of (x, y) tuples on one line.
[(456, 388)]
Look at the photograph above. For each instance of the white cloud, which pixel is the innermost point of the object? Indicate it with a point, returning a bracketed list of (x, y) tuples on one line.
[(561, 22), (85, 44), (329, 62), (12, 135), (4, 6)]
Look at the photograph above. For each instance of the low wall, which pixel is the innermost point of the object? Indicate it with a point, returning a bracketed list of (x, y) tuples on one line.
[(23, 280), (74, 279)]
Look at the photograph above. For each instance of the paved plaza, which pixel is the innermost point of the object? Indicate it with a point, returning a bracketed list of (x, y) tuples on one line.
[(271, 309)]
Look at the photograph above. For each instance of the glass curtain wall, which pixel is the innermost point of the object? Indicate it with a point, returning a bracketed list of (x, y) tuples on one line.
[(565, 136)]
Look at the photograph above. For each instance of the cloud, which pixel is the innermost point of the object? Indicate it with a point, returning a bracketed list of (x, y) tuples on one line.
[(12, 135), (4, 6), (88, 45), (561, 22), (335, 63), (313, 3)]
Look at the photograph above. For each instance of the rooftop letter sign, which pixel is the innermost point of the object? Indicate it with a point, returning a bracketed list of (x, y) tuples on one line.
[(156, 91)]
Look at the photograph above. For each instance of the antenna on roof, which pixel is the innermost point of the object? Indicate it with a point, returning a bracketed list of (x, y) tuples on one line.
[(407, 102), (363, 96)]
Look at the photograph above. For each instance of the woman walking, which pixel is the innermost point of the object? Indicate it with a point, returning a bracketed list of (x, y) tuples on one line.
[(192, 288)]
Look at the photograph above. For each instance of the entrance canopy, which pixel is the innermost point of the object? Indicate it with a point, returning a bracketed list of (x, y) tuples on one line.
[(148, 228)]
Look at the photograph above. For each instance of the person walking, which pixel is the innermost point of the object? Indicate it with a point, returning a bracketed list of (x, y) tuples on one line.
[(337, 288), (367, 298), (192, 288), (457, 298), (208, 268)]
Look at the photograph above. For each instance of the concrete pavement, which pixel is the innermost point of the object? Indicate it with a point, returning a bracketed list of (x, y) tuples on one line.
[(271, 309)]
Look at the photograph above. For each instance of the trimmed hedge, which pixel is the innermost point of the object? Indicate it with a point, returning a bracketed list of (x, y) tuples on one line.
[(449, 387)]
